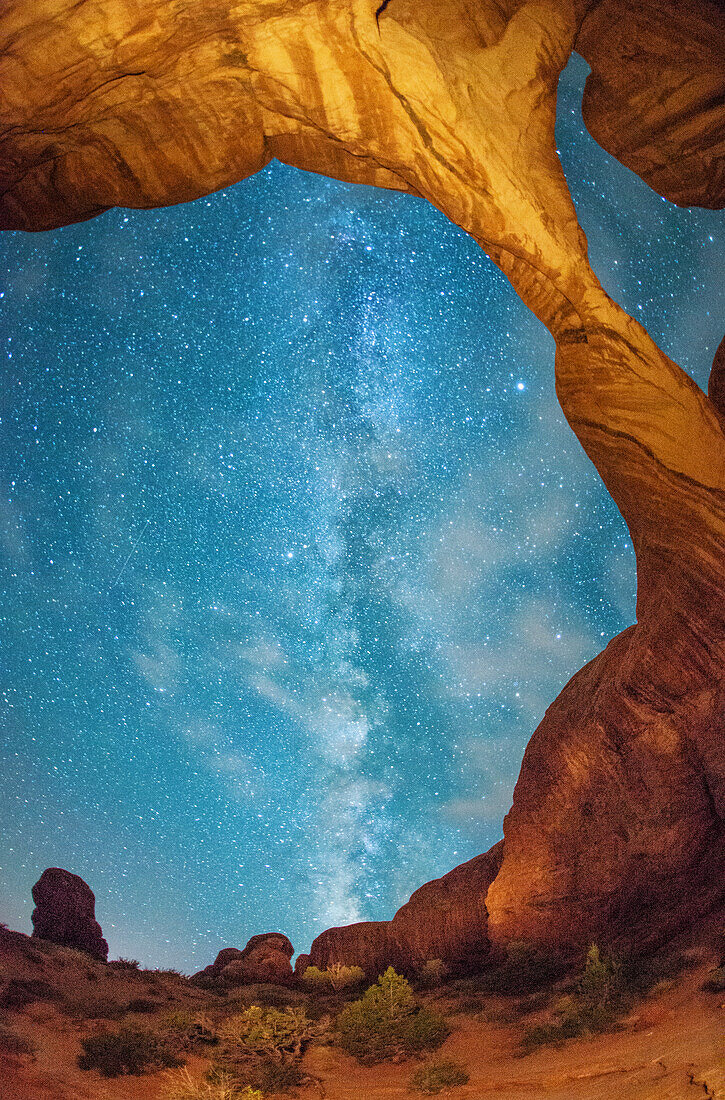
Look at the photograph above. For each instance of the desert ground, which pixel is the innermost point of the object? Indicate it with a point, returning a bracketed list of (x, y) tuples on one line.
[(669, 1045)]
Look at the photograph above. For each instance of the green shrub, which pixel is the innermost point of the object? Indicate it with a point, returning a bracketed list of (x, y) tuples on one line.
[(335, 978), (526, 969), (386, 1022), (598, 999), (266, 1074), (188, 1030), (182, 1086), (433, 973), (601, 983), (261, 1047), (267, 1032), (436, 1076), (124, 964), (130, 1051)]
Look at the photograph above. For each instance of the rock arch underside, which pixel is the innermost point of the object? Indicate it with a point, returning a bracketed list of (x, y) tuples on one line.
[(617, 830)]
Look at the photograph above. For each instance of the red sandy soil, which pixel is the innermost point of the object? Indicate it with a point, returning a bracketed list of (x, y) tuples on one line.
[(672, 1047)]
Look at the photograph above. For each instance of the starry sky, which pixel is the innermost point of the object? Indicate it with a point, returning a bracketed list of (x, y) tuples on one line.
[(296, 546)]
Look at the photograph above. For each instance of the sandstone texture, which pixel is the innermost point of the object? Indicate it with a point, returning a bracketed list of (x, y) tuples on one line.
[(618, 820), (445, 919), (656, 93), (65, 913), (266, 958)]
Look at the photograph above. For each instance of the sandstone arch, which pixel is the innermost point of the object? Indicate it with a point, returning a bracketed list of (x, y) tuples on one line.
[(618, 816)]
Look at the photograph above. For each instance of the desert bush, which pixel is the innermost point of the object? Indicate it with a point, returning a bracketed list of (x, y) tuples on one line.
[(265, 1074), (17, 993), (12, 1043), (387, 1023), (599, 997), (130, 1051), (188, 1030), (142, 1004), (262, 1046), (334, 978), (267, 1032), (715, 981), (435, 1076), (125, 964), (526, 969), (93, 1008), (182, 1086), (601, 983), (170, 972), (433, 973)]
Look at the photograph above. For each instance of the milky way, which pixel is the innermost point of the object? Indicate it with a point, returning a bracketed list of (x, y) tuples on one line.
[(296, 544)]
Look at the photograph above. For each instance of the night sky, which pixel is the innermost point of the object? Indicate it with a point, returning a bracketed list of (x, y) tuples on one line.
[(296, 545)]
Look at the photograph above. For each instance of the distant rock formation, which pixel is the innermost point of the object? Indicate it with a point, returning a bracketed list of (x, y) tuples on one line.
[(266, 958), (301, 963), (65, 913), (444, 919)]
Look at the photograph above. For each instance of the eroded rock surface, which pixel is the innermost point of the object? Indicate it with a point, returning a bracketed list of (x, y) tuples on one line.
[(266, 958), (444, 919), (65, 913), (655, 98)]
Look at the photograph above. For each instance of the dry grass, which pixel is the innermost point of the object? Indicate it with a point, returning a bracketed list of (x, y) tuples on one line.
[(182, 1086)]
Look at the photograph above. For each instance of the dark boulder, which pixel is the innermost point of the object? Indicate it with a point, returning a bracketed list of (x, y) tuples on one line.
[(65, 913)]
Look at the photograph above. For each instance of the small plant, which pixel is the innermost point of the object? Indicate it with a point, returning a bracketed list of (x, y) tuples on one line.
[(125, 964), (433, 973), (93, 1008), (262, 1047), (18, 993), (387, 1023), (182, 1086), (142, 1005), (601, 983), (130, 1051), (270, 1076), (267, 1032), (526, 969), (715, 981), (335, 978), (599, 998), (189, 1030), (436, 1076), (12, 1043)]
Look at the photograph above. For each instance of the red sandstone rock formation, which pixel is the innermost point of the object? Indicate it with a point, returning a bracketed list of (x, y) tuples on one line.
[(445, 919), (618, 815), (65, 913), (266, 958)]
